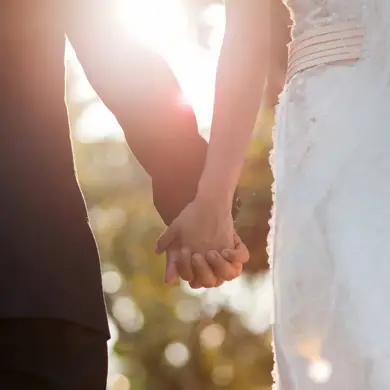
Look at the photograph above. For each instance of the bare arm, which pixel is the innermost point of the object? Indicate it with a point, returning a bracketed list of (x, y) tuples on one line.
[(241, 75), (138, 86), (280, 37), (134, 82)]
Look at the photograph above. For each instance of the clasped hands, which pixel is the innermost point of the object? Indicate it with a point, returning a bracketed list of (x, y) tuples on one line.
[(201, 245)]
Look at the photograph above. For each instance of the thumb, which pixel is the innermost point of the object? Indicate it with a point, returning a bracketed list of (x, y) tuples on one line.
[(239, 254), (171, 273), (167, 238)]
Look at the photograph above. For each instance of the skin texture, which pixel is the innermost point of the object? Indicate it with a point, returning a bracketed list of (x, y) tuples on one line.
[(206, 271), (206, 224), (114, 68)]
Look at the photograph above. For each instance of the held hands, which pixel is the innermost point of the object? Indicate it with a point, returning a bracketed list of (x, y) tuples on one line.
[(211, 270), (205, 224), (201, 245)]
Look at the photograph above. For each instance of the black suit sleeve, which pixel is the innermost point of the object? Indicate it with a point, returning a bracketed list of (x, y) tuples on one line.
[(138, 86)]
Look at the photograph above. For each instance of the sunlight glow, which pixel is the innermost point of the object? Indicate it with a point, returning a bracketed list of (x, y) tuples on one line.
[(215, 17), (177, 354), (320, 371), (97, 122), (161, 24), (128, 314), (212, 336), (164, 27), (120, 383), (112, 282)]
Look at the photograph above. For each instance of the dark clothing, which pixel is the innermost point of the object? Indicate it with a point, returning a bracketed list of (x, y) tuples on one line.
[(49, 264), (51, 355)]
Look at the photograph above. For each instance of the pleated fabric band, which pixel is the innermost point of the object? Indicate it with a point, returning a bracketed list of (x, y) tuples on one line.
[(325, 45)]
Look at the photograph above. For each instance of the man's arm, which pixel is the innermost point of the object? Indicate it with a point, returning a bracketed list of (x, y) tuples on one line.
[(138, 86)]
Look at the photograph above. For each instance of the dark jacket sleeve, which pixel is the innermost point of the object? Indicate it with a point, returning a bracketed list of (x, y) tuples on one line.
[(138, 86)]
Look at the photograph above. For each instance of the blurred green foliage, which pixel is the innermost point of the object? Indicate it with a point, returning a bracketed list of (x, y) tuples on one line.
[(170, 338)]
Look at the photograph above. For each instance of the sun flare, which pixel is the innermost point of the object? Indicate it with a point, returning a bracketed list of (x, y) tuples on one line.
[(161, 24), (164, 26)]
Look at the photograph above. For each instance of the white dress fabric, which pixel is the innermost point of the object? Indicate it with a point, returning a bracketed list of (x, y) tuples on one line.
[(330, 232)]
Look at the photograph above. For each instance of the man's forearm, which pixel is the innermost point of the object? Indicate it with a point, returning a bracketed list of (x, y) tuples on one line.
[(138, 86)]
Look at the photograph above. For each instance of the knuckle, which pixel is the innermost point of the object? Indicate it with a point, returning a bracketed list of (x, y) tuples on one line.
[(233, 258), (209, 282)]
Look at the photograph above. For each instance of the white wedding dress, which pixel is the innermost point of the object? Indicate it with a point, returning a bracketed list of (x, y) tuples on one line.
[(330, 232)]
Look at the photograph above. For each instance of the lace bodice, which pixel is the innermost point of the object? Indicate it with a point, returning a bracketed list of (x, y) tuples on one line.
[(316, 13)]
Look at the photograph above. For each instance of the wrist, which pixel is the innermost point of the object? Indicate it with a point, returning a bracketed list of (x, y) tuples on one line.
[(215, 191), (221, 201)]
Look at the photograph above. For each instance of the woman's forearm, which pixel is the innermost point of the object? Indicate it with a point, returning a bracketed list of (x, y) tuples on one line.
[(241, 75)]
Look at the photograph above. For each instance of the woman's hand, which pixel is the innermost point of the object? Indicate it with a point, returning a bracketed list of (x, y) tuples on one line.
[(211, 270), (219, 267), (205, 224)]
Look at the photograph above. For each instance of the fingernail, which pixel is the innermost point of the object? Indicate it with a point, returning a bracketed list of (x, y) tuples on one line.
[(225, 254)]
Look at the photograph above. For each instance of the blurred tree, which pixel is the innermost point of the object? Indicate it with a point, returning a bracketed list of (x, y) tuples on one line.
[(172, 338)]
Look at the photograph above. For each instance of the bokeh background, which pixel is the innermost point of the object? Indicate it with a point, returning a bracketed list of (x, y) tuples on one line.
[(175, 338)]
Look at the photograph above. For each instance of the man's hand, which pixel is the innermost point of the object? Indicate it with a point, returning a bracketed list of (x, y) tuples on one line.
[(211, 271)]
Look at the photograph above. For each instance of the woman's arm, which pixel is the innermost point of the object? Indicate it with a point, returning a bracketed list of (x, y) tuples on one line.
[(280, 37), (241, 75), (206, 223)]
